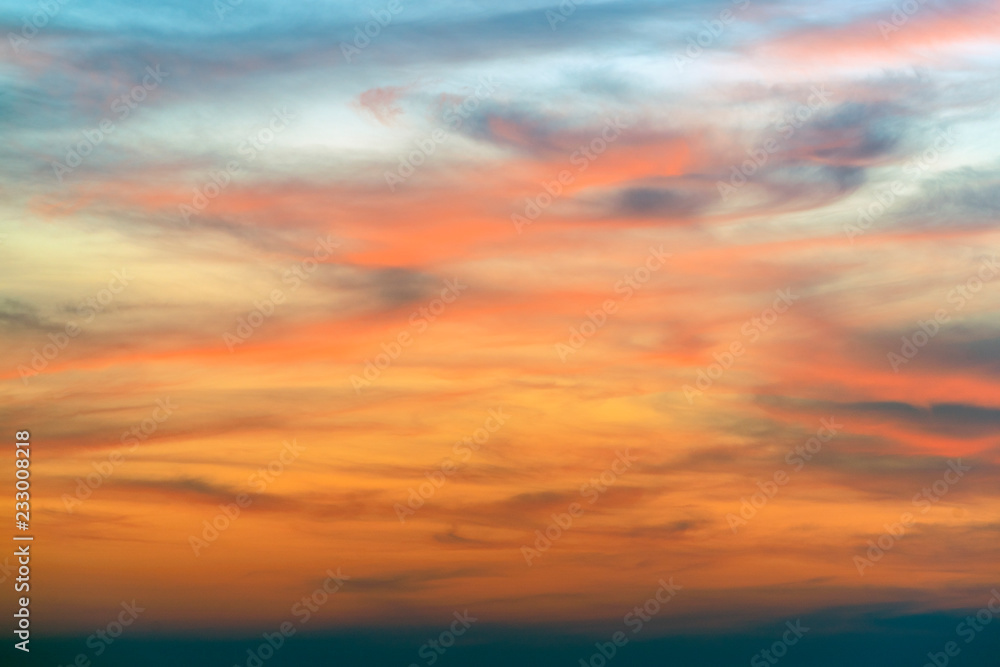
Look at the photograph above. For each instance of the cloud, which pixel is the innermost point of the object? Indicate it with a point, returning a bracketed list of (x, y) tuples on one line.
[(382, 103)]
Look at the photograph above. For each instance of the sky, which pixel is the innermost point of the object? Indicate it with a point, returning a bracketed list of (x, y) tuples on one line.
[(671, 322)]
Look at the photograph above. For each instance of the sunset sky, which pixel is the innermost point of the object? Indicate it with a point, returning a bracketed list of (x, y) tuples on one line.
[(707, 291)]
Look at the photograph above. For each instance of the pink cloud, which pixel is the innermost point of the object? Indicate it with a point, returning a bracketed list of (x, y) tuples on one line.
[(382, 102)]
